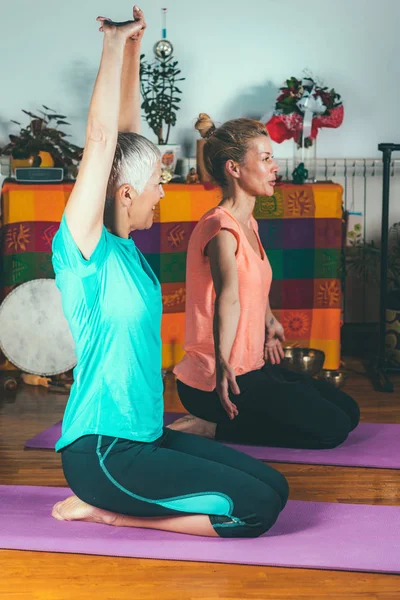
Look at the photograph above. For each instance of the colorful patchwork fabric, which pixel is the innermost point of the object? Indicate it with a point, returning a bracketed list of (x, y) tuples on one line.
[(31, 215), (300, 228)]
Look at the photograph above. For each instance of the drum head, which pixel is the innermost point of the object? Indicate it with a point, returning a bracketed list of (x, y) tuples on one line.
[(34, 333)]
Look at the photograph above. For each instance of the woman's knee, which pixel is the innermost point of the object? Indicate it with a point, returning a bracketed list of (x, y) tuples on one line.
[(341, 399), (335, 432), (260, 515), (279, 484), (348, 405), (272, 478), (272, 504), (353, 412)]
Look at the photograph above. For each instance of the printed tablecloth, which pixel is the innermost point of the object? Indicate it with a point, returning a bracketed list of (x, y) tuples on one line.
[(300, 228)]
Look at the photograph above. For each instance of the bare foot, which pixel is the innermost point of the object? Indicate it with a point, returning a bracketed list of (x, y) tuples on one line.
[(195, 426), (73, 509)]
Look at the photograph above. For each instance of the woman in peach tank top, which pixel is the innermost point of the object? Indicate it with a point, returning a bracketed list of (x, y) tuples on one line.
[(230, 379)]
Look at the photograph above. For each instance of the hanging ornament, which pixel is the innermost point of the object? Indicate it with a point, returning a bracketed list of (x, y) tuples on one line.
[(163, 49)]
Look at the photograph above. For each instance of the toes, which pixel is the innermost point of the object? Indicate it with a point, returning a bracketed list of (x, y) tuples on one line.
[(55, 513)]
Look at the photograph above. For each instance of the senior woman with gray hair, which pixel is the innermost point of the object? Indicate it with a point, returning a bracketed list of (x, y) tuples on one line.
[(123, 466)]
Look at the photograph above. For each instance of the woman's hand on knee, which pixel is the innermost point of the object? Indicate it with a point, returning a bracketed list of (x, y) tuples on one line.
[(226, 380), (274, 337), (273, 351)]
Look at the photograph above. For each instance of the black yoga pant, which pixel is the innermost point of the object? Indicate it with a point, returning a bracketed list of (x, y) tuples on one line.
[(278, 408), (178, 473)]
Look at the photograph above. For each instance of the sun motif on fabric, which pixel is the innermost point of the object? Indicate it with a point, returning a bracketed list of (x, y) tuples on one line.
[(300, 203), (296, 325), (329, 293), (18, 238)]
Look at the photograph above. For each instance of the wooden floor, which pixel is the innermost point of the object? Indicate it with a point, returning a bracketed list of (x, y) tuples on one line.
[(37, 576)]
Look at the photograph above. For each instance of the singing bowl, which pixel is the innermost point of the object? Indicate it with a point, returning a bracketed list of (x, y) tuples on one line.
[(304, 360), (336, 378)]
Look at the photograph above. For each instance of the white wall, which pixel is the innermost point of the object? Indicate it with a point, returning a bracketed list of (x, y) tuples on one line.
[(234, 54)]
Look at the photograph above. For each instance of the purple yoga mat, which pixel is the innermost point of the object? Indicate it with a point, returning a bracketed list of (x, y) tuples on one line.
[(318, 535), (375, 445)]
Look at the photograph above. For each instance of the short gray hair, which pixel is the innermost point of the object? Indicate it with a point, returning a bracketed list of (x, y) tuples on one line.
[(134, 162)]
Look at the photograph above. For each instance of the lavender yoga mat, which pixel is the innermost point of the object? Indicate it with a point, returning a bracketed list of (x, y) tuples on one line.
[(318, 535), (375, 445)]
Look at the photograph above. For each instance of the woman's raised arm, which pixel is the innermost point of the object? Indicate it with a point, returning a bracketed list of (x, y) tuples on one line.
[(85, 208)]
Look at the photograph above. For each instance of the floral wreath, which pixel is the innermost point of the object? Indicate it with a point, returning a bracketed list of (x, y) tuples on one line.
[(301, 109)]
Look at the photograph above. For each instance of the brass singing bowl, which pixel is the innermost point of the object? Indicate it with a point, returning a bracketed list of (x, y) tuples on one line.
[(336, 378), (303, 360)]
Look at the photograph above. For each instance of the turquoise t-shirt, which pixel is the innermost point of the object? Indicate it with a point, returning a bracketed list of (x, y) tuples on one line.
[(113, 306)]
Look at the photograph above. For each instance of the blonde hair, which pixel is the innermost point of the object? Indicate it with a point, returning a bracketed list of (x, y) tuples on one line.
[(228, 142)]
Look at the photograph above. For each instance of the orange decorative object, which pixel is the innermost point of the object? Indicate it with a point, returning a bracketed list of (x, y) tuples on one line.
[(168, 158), (47, 159)]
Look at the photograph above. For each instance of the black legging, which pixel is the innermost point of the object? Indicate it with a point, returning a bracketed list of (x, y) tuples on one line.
[(178, 473), (278, 408)]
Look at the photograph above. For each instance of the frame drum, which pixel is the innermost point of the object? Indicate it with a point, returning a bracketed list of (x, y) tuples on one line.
[(34, 333)]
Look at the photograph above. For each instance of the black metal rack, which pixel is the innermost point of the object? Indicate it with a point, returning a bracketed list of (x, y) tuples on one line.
[(380, 367)]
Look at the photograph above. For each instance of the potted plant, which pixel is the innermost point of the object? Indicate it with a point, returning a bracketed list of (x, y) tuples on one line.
[(160, 104), (41, 143), (363, 258)]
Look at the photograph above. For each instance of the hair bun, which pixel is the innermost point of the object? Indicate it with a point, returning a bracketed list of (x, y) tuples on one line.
[(204, 125)]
